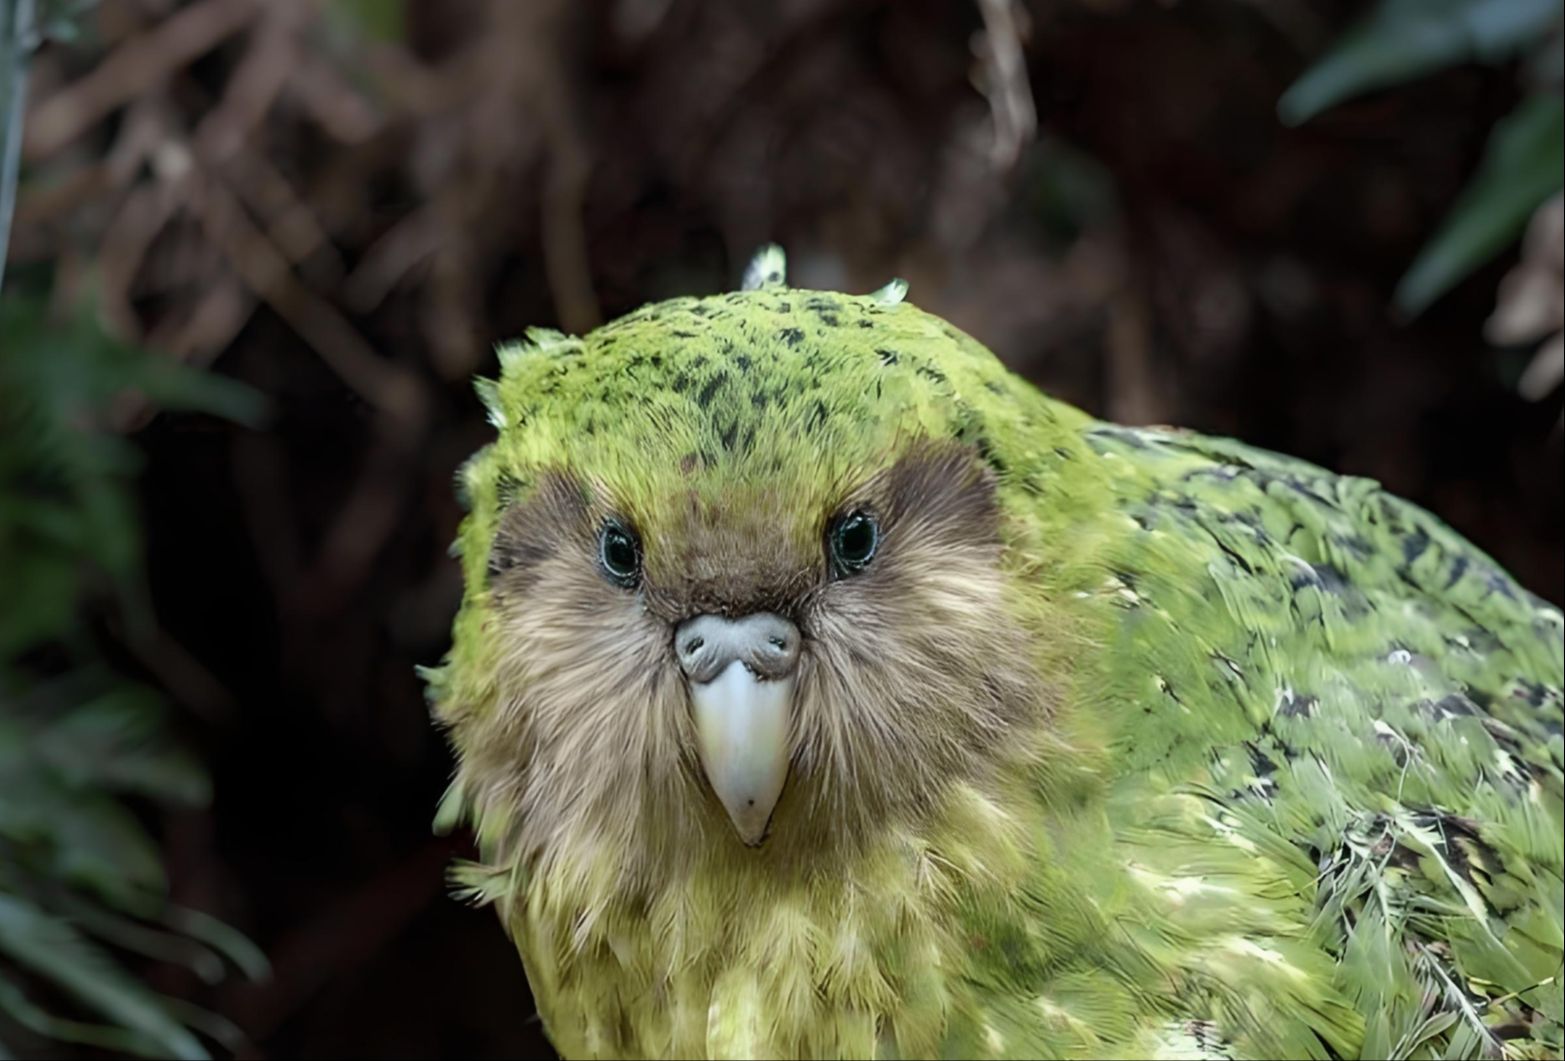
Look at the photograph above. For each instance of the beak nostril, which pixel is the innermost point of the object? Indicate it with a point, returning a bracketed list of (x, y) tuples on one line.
[(768, 645)]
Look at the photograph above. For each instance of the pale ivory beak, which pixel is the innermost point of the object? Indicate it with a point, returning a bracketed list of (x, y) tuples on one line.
[(742, 728)]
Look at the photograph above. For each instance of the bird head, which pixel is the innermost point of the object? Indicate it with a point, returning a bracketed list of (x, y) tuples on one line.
[(738, 580)]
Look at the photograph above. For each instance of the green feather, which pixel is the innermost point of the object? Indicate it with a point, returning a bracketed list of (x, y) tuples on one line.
[(1298, 794)]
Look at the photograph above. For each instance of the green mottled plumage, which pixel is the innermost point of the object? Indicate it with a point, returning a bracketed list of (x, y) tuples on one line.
[(1292, 786)]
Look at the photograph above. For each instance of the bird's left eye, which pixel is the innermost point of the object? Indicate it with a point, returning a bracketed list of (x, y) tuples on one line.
[(852, 542), (619, 554)]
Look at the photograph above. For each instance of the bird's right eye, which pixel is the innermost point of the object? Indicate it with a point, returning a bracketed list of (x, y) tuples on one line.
[(619, 554)]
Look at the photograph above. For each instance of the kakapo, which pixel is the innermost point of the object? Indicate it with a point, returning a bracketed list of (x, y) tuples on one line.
[(821, 689)]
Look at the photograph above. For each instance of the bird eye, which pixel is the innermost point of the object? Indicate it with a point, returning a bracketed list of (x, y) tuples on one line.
[(852, 542), (619, 554)]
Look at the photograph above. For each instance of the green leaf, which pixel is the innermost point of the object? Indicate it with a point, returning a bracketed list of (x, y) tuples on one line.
[(1433, 1027), (1377, 1035), (85, 838), (66, 507), (55, 950), (47, 590), (227, 941), (74, 860), (16, 1005), (72, 365), (1465, 1043), (133, 936), (212, 1025), (118, 740), (175, 386), (1523, 164), (1407, 39)]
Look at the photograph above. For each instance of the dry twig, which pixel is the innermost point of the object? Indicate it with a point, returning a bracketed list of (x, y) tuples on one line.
[(132, 69), (1004, 80)]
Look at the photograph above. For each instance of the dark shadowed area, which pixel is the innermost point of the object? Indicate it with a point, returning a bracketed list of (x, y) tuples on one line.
[(344, 207)]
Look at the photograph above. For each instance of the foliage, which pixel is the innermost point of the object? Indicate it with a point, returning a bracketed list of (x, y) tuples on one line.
[(79, 875), (1522, 165)]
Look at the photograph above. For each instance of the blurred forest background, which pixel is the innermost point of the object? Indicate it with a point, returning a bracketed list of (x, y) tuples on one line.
[(258, 248)]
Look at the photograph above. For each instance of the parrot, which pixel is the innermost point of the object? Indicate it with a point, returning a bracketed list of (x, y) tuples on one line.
[(821, 688)]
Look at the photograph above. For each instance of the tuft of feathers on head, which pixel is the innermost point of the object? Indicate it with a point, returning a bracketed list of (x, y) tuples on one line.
[(536, 341), (769, 268), (892, 294)]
